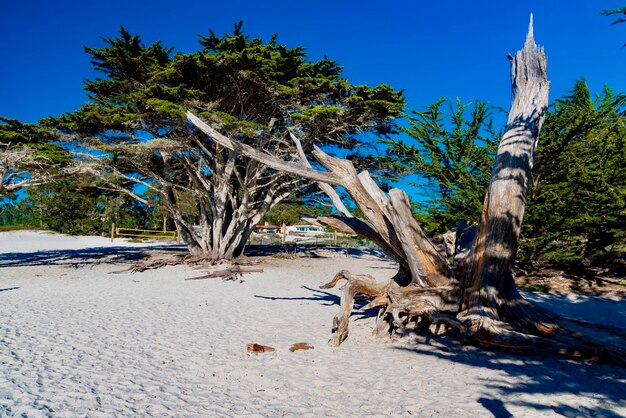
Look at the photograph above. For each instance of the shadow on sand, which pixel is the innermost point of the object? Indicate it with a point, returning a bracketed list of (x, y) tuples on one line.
[(84, 256), (124, 254), (541, 375), (315, 251), (586, 308), (329, 299), (325, 298)]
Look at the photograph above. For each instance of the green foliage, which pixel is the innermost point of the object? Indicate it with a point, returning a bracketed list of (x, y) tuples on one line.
[(28, 155), (576, 207), (158, 209), (15, 134), (232, 78), (621, 16), (77, 207), (620, 12), (453, 152), (534, 287), (12, 216), (247, 88), (65, 206)]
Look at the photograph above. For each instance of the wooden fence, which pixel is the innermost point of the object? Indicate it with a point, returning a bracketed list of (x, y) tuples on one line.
[(142, 233)]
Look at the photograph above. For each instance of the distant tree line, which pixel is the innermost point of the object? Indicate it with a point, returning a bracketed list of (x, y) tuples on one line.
[(78, 207)]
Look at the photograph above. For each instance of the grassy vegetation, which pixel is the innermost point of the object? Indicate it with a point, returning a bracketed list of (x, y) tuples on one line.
[(4, 228), (534, 287), (288, 256)]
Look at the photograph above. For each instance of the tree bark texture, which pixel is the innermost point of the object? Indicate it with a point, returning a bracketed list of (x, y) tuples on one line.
[(213, 194)]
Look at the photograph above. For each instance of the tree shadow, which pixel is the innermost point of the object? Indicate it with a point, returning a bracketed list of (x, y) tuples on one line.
[(325, 298), (532, 375), (358, 314), (496, 407), (83, 256), (315, 251), (585, 308), (329, 299)]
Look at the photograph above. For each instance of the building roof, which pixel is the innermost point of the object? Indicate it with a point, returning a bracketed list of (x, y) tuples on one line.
[(267, 227)]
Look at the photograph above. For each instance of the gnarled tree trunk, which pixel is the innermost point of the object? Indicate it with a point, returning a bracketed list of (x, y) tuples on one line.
[(476, 294)]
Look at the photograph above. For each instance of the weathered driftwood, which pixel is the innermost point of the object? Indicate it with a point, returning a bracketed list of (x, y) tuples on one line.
[(259, 348), (229, 273), (300, 346), (155, 262), (475, 295), (228, 270), (326, 188)]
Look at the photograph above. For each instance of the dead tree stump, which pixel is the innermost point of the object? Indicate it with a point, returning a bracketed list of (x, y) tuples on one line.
[(475, 295)]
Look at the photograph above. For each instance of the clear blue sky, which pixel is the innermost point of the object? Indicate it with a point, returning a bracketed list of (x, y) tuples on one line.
[(431, 49)]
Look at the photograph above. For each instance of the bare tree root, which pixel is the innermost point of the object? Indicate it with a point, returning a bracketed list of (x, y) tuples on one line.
[(581, 339), (155, 262), (554, 336), (362, 284), (224, 269), (231, 273), (399, 305), (528, 328)]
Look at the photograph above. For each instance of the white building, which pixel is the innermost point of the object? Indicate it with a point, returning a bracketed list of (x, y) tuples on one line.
[(306, 229)]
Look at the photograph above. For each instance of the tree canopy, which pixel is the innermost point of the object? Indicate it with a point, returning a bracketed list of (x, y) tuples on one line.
[(29, 156), (247, 88)]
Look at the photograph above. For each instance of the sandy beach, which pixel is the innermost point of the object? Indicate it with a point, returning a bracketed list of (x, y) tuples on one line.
[(76, 340)]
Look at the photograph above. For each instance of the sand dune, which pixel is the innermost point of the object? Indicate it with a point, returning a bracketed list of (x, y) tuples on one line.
[(78, 341)]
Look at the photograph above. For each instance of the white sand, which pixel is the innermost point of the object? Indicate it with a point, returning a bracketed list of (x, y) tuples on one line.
[(32, 241), (77, 341)]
